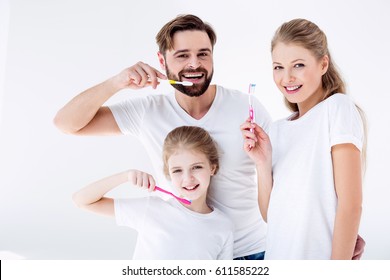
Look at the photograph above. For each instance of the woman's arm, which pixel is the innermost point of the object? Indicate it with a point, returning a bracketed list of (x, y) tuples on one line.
[(92, 197), (348, 185), (258, 147)]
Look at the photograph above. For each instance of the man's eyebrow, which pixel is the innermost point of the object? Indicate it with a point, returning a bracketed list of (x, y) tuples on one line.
[(187, 50), (180, 51)]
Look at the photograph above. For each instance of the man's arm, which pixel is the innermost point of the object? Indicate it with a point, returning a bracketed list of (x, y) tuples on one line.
[(85, 113)]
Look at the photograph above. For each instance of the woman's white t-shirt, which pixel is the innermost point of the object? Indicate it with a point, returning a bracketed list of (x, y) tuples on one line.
[(303, 201)]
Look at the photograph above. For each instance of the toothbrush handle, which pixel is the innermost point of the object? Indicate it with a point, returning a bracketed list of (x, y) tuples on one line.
[(162, 190), (185, 201), (251, 116)]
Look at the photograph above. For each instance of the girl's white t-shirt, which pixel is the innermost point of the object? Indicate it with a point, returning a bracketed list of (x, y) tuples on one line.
[(233, 190), (303, 201), (169, 231)]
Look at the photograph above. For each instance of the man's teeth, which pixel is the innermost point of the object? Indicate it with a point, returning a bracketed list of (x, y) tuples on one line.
[(193, 75), (293, 88)]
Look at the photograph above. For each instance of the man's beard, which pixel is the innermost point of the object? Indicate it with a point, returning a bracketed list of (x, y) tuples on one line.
[(196, 89)]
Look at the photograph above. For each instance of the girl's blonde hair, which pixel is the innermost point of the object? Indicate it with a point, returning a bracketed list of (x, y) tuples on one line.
[(190, 138), (308, 35)]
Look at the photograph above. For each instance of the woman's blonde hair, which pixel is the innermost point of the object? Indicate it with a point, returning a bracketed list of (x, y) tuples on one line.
[(190, 138), (308, 35)]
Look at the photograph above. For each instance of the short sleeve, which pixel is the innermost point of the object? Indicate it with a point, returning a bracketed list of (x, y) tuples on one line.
[(227, 250), (129, 114), (346, 125), (131, 212)]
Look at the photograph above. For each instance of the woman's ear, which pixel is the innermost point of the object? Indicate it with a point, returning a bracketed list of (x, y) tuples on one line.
[(325, 64)]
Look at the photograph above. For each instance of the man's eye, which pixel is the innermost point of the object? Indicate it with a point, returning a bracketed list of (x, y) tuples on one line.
[(197, 167)]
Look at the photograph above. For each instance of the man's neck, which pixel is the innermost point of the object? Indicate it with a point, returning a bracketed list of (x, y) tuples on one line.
[(197, 107)]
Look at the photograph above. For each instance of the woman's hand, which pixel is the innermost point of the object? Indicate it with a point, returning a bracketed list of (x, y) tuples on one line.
[(257, 143)]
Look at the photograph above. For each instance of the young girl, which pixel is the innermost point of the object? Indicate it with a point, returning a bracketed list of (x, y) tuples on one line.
[(310, 180), (170, 229)]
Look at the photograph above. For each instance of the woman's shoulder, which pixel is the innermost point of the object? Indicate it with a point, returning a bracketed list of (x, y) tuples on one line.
[(339, 99)]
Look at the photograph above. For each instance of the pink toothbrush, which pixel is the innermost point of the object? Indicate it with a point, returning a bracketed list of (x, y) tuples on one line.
[(251, 91), (183, 200)]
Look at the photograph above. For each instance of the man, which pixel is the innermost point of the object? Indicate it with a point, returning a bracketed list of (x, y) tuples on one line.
[(186, 54)]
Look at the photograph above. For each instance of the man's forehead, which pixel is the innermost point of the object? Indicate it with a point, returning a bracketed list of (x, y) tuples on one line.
[(191, 40)]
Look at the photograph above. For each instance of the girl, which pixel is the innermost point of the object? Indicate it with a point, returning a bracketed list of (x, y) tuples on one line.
[(170, 229), (310, 180)]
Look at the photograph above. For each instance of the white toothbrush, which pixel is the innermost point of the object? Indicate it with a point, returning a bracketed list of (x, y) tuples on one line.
[(184, 83)]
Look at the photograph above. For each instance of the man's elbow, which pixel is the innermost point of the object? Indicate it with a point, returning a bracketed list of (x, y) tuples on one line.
[(63, 126), (77, 201)]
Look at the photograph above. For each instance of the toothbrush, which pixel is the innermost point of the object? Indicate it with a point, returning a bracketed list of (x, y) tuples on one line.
[(184, 83), (251, 91), (183, 200)]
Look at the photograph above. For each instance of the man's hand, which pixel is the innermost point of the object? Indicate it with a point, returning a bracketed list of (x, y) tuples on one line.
[(359, 248), (138, 76)]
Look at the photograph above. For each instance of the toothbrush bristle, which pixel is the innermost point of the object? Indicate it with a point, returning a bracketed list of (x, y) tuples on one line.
[(187, 83), (252, 88)]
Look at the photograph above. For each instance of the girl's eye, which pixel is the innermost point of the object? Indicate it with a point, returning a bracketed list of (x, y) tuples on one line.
[(197, 167)]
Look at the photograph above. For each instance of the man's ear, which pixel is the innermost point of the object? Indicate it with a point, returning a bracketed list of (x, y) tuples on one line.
[(161, 59)]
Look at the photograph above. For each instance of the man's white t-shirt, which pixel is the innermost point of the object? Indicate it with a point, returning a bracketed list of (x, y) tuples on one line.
[(303, 200), (234, 188), (169, 231)]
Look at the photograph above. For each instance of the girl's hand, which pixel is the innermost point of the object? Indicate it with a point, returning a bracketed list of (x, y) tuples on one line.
[(257, 143), (141, 179)]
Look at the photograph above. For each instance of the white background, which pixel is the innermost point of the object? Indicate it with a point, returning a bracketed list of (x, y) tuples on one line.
[(52, 50)]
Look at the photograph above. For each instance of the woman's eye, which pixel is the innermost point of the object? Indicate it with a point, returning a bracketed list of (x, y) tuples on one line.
[(176, 171), (299, 65), (278, 67), (197, 167)]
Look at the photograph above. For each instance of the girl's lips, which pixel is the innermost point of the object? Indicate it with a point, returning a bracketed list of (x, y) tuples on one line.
[(192, 188)]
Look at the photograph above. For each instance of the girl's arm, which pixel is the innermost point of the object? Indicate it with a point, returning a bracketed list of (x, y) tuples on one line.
[(348, 184), (258, 147), (92, 197)]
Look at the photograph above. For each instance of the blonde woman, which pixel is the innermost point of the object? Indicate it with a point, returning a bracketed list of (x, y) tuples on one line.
[(310, 179)]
